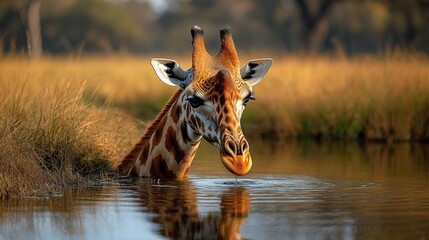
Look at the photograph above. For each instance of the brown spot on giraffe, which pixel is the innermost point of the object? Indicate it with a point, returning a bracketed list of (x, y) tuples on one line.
[(184, 131), (175, 113), (171, 144), (145, 154), (170, 138), (155, 140), (160, 168)]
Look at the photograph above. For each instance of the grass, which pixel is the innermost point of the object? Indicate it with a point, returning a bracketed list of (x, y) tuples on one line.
[(66, 121), (50, 137), (369, 98)]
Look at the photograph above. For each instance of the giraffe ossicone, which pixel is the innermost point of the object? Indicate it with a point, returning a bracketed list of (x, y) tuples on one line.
[(211, 98)]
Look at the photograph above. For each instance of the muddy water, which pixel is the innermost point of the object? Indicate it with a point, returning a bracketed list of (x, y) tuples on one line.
[(295, 191)]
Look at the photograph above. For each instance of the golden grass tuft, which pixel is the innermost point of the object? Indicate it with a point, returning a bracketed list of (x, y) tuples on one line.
[(49, 136), (20, 171)]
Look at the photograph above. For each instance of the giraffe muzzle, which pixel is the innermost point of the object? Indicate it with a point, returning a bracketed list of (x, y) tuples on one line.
[(236, 157)]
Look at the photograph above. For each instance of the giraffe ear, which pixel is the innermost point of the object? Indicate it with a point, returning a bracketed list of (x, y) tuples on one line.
[(254, 70), (170, 72)]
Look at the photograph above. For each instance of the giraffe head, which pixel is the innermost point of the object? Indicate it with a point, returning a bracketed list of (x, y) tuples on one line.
[(215, 93)]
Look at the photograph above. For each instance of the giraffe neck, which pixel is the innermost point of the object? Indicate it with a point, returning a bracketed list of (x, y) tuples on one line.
[(168, 146)]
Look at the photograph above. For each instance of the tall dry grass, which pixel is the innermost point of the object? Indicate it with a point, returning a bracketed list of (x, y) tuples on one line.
[(49, 135), (372, 98)]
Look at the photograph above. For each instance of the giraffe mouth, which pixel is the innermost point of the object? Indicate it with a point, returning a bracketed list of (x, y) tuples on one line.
[(237, 164)]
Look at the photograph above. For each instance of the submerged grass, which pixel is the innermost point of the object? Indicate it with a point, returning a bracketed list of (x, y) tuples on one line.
[(63, 121)]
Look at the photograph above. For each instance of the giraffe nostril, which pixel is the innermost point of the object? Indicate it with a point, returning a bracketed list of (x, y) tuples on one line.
[(244, 146), (230, 147)]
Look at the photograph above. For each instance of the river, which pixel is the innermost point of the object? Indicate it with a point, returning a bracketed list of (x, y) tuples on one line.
[(302, 190)]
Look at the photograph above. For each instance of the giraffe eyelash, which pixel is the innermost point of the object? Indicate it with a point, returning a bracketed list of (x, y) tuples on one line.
[(195, 101), (249, 97)]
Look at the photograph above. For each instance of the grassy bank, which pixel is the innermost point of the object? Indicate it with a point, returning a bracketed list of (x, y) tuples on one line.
[(64, 121), (50, 137), (383, 99)]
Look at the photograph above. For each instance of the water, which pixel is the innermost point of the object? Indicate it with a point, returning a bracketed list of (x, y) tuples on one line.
[(295, 191)]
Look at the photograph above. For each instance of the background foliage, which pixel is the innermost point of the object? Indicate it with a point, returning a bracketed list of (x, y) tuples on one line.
[(142, 27)]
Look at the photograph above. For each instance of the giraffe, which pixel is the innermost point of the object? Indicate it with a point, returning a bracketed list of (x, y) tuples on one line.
[(208, 104), (176, 212)]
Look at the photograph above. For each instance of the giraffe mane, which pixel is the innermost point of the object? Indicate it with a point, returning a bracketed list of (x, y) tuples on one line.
[(126, 164)]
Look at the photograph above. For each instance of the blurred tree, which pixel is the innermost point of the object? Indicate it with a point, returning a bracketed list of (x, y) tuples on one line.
[(91, 25), (144, 18), (33, 33), (142, 26), (358, 26), (409, 21), (248, 19), (22, 16), (315, 21)]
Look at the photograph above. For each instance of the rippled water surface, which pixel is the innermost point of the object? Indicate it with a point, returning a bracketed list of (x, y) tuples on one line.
[(295, 191)]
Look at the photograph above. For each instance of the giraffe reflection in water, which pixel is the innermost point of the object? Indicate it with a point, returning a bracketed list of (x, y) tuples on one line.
[(175, 208)]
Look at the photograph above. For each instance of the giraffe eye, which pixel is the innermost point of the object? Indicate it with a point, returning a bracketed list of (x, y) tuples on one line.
[(246, 100), (195, 101)]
